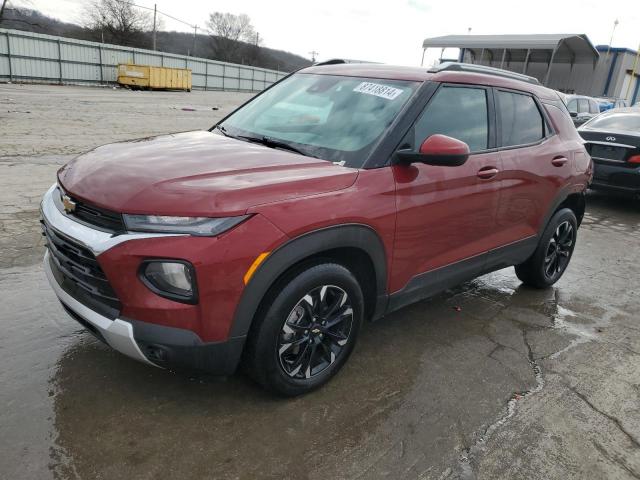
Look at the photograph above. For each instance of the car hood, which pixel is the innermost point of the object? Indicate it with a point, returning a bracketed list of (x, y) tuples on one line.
[(196, 174)]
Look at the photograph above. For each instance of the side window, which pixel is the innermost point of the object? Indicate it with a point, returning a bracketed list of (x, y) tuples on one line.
[(593, 107), (583, 105), (520, 120), (458, 112), (572, 106)]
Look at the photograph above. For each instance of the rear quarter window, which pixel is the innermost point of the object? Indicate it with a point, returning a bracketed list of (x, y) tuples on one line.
[(521, 122)]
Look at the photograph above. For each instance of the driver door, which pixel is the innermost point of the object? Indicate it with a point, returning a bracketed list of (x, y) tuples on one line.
[(446, 216)]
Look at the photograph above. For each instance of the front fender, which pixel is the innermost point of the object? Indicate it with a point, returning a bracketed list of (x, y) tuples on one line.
[(304, 246)]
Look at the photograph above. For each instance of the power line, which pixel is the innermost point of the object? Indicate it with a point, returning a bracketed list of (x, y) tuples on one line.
[(161, 13)]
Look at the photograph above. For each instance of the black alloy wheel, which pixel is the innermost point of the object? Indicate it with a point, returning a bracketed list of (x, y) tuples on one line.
[(552, 255), (559, 250), (306, 329), (315, 333)]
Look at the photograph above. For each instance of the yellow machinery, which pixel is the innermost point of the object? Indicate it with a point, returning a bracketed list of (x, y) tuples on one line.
[(155, 78)]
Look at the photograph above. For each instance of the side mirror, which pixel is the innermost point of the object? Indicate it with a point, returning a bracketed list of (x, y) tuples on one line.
[(438, 150), (573, 113)]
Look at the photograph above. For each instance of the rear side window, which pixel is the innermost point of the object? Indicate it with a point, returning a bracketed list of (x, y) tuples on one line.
[(458, 112), (572, 106), (593, 107), (520, 120)]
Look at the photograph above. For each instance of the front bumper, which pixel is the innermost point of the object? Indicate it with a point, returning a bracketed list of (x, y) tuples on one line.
[(145, 341), (149, 343), (116, 333)]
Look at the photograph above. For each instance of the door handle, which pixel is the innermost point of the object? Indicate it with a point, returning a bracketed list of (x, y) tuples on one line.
[(487, 172), (559, 161)]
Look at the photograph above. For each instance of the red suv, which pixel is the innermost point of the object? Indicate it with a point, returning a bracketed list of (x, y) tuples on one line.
[(338, 195)]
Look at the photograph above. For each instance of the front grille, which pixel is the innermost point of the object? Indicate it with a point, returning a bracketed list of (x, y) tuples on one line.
[(78, 265), (92, 215)]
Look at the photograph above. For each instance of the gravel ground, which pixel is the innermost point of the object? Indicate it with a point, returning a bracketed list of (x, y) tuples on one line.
[(511, 383)]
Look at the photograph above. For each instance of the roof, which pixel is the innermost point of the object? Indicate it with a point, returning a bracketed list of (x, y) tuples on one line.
[(571, 47), (607, 48)]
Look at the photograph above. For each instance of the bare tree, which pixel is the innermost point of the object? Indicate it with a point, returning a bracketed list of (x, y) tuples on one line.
[(117, 21), (228, 32)]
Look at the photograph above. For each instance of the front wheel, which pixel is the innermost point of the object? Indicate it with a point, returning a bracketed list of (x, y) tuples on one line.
[(306, 331), (554, 251)]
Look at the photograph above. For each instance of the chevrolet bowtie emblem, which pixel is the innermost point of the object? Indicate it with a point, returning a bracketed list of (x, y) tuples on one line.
[(68, 204)]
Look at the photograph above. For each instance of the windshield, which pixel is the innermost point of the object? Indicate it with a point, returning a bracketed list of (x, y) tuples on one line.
[(334, 118), (629, 122)]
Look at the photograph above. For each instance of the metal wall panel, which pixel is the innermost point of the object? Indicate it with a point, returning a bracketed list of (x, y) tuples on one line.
[(33, 47), (80, 72), (148, 59), (174, 62), (198, 80), (216, 69), (28, 56), (38, 69), (3, 44), (4, 68), (197, 67), (79, 53)]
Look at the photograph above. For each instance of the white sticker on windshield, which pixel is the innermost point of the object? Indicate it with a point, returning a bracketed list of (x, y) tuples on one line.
[(378, 90)]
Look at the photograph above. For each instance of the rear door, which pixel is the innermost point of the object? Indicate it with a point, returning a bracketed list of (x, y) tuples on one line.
[(534, 165), (447, 214)]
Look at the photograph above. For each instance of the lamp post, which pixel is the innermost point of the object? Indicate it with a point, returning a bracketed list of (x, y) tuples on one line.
[(615, 24)]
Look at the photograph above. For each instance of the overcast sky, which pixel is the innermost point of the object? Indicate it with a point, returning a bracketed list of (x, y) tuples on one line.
[(391, 31)]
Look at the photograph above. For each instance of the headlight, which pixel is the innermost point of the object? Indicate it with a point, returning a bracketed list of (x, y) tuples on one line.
[(201, 226), (173, 279)]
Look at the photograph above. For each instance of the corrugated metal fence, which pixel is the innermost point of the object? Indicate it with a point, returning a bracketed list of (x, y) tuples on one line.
[(33, 57)]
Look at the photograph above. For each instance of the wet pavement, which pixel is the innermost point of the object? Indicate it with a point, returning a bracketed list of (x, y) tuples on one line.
[(488, 380)]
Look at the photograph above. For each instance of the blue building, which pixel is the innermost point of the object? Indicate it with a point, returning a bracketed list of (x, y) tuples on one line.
[(569, 63)]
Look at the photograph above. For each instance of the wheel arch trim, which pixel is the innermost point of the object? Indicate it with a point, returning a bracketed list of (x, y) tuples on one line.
[(565, 193), (352, 235)]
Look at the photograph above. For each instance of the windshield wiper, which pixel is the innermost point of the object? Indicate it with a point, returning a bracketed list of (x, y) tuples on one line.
[(273, 143), (223, 130)]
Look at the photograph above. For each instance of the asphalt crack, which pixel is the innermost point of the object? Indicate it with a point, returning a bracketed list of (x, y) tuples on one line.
[(466, 458), (613, 419), (615, 459)]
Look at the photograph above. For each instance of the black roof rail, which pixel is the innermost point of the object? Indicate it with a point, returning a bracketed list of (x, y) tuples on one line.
[(473, 68), (337, 61), (333, 61)]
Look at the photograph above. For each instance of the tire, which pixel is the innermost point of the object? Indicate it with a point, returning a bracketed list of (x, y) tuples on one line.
[(289, 350), (553, 253)]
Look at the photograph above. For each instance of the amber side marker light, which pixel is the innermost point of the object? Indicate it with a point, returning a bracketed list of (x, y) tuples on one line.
[(254, 266)]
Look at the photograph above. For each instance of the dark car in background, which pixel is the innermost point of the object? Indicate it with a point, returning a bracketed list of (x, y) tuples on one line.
[(581, 108), (613, 141)]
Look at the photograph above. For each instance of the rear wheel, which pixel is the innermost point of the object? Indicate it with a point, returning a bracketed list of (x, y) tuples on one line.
[(554, 251), (306, 331)]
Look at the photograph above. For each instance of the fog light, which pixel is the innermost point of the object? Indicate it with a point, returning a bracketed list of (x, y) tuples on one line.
[(170, 279)]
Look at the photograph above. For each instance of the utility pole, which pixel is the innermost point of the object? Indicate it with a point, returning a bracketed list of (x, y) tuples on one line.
[(195, 33), (313, 54), (615, 24), (155, 12)]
